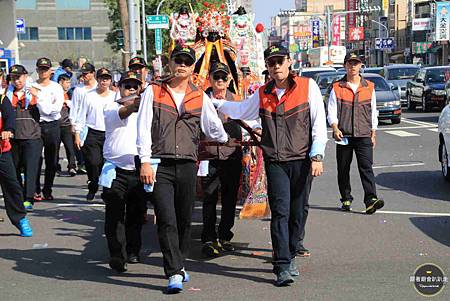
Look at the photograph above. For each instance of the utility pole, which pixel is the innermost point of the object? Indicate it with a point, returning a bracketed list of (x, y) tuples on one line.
[(159, 55), (144, 31), (132, 24)]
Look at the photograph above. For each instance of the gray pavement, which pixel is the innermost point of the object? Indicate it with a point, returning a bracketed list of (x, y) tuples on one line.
[(354, 256)]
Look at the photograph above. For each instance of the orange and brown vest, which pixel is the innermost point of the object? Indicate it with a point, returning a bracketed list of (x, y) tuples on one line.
[(5, 145), (286, 122), (176, 135), (233, 129), (354, 110)]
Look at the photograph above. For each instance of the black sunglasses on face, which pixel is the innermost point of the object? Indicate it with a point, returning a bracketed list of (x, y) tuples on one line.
[(129, 87), (223, 77), (275, 60), (180, 60)]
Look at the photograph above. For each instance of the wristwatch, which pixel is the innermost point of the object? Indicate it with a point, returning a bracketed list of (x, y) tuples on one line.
[(317, 158)]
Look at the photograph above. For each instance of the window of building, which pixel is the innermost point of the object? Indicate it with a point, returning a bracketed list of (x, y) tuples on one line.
[(70, 4), (30, 34), (26, 4), (74, 33)]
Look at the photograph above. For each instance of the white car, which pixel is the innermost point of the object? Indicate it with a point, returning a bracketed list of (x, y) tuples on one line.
[(444, 141)]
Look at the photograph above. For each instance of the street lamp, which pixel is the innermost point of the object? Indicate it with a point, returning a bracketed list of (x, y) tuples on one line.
[(159, 55), (382, 25)]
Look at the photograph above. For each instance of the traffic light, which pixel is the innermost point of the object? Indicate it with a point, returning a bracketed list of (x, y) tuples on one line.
[(119, 39)]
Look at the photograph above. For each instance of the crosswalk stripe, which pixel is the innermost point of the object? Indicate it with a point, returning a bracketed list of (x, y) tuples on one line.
[(418, 122), (434, 130), (402, 133)]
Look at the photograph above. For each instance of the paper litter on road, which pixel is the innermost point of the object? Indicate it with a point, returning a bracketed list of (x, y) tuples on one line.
[(40, 246), (258, 253), (194, 289)]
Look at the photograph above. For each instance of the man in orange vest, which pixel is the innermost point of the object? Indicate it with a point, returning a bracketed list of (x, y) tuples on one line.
[(293, 141), (171, 116), (12, 192), (352, 113)]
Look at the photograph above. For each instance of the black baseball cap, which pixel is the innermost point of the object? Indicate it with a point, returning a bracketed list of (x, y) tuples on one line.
[(17, 70), (352, 56), (44, 62), (131, 75), (102, 72), (183, 50), (87, 68), (137, 61), (219, 67), (67, 63), (275, 50)]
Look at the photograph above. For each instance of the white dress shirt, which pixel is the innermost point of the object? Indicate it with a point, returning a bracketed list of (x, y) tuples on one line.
[(77, 101), (50, 100), (120, 137), (332, 107), (91, 113), (249, 109), (210, 124)]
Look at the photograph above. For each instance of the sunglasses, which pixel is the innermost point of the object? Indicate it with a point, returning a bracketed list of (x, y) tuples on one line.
[(182, 60), (42, 69), (271, 62), (129, 87), (223, 77)]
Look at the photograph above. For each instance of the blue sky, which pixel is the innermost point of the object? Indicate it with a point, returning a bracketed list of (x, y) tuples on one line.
[(264, 9)]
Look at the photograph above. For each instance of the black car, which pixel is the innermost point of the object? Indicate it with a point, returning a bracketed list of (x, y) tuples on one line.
[(427, 88)]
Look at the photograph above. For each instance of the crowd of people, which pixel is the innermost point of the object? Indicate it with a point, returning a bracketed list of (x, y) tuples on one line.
[(144, 141)]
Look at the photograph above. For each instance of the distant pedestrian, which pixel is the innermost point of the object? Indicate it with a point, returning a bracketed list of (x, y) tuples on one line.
[(66, 67), (352, 113)]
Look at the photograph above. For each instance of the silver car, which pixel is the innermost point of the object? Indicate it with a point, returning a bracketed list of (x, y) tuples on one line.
[(398, 75)]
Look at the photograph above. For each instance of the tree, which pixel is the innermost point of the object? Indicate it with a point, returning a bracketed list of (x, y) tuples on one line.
[(118, 14)]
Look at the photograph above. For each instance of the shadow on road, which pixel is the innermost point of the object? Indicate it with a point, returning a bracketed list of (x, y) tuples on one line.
[(435, 227), (425, 184)]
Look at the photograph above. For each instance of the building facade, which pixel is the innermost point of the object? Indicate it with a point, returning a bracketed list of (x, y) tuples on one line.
[(60, 29), (8, 37)]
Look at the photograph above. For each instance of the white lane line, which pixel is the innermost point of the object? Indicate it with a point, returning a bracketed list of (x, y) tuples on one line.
[(80, 205), (413, 213), (398, 165), (434, 130), (402, 133), (418, 122), (382, 129)]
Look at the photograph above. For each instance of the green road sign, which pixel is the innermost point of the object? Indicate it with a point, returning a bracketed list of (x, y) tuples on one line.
[(157, 21)]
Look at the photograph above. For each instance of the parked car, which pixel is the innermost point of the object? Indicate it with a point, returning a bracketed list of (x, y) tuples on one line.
[(427, 88), (376, 70), (310, 72), (326, 78), (399, 75), (388, 98), (444, 141)]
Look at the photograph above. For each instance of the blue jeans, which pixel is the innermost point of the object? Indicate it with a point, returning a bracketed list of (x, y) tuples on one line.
[(288, 188)]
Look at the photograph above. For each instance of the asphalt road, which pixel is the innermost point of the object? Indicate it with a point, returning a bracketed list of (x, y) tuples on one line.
[(354, 256)]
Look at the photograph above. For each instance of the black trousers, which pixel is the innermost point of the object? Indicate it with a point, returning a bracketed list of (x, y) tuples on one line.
[(288, 188), (12, 192), (124, 214), (26, 155), (223, 175), (363, 149), (173, 200), (51, 138), (67, 140), (93, 157)]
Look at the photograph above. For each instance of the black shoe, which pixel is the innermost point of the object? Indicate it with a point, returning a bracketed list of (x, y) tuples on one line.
[(373, 205), (133, 259), (118, 264), (346, 205), (284, 278), (90, 196), (72, 172), (81, 170), (293, 270), (48, 197), (226, 245), (211, 249)]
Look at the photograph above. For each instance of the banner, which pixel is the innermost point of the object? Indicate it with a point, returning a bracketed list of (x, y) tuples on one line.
[(442, 21), (315, 33), (336, 28), (421, 24), (351, 18), (356, 34)]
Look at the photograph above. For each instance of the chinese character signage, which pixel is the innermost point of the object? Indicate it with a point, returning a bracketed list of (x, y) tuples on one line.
[(356, 34), (315, 33), (336, 31), (351, 18), (442, 21)]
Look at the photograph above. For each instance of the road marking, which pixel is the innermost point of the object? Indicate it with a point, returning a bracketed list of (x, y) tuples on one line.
[(382, 129), (434, 130), (399, 165), (412, 213), (402, 134), (418, 122), (80, 205)]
